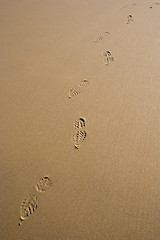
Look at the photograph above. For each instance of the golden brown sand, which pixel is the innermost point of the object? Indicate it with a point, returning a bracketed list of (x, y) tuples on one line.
[(80, 120)]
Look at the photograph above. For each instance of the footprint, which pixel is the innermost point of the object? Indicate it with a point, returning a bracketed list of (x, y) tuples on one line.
[(129, 19), (78, 138), (28, 207), (44, 184), (75, 91), (83, 83), (108, 57), (101, 36), (80, 123)]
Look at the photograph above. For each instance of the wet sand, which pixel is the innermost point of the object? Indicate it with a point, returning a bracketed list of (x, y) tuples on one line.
[(80, 120)]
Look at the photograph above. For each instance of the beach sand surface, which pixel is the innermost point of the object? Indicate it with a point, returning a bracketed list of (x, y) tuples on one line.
[(62, 60)]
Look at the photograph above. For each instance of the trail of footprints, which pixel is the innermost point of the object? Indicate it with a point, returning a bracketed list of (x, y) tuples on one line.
[(108, 58), (30, 203)]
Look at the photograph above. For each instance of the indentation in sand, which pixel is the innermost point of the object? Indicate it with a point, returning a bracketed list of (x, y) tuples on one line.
[(108, 57), (83, 83), (101, 37), (80, 123), (129, 18), (78, 138), (28, 207), (44, 184), (75, 91)]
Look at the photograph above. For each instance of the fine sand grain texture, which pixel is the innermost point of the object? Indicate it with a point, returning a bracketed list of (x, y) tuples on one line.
[(79, 120)]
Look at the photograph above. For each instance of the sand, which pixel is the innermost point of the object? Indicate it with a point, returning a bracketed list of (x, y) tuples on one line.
[(80, 120)]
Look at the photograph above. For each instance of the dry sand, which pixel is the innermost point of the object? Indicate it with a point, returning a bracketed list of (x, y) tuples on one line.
[(109, 187)]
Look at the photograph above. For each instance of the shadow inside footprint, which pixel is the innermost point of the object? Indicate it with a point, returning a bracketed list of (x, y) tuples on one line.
[(129, 19)]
